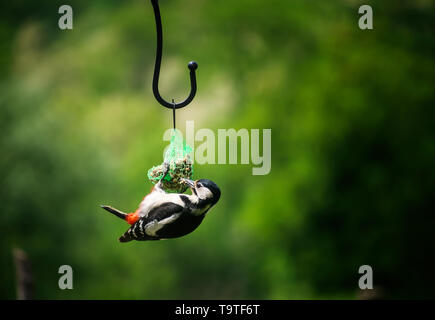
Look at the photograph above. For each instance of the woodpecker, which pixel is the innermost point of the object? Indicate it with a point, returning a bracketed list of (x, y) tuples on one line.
[(164, 215)]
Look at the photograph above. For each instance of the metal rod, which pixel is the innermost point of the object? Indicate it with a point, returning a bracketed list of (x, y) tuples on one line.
[(173, 112), (192, 67)]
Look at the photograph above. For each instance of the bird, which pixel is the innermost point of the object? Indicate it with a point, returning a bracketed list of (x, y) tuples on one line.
[(163, 215)]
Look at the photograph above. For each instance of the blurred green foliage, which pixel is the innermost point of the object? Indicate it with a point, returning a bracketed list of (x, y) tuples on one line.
[(352, 122)]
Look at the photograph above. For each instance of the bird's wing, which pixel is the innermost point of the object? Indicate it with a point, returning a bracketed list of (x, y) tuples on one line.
[(146, 227)]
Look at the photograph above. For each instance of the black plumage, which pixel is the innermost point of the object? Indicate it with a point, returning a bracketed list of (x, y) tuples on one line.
[(184, 224)]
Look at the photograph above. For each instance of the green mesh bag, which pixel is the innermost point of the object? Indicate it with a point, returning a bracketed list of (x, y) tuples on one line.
[(177, 163)]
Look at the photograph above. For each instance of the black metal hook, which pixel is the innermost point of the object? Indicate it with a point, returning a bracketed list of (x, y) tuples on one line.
[(192, 67)]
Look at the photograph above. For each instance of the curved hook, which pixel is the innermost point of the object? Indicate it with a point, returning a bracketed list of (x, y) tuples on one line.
[(192, 67)]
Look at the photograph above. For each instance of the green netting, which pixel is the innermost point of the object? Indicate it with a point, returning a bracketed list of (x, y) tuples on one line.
[(180, 165)]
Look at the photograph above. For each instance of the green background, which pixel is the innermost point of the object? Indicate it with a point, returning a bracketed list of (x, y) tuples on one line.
[(352, 119)]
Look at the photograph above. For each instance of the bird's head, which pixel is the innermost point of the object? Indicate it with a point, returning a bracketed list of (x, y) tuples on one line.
[(206, 190)]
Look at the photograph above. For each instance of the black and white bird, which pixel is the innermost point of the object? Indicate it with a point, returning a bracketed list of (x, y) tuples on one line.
[(164, 215)]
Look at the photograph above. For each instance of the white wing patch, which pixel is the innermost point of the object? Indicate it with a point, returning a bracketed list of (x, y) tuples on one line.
[(152, 227)]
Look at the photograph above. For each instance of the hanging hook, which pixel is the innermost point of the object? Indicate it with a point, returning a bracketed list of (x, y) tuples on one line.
[(192, 67)]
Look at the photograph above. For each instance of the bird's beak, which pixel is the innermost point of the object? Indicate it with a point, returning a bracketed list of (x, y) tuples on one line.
[(189, 182)]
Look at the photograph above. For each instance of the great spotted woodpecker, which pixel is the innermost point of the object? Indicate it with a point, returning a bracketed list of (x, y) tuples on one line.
[(164, 215)]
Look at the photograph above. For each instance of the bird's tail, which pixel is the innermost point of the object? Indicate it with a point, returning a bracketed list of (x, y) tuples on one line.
[(126, 237), (116, 212)]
